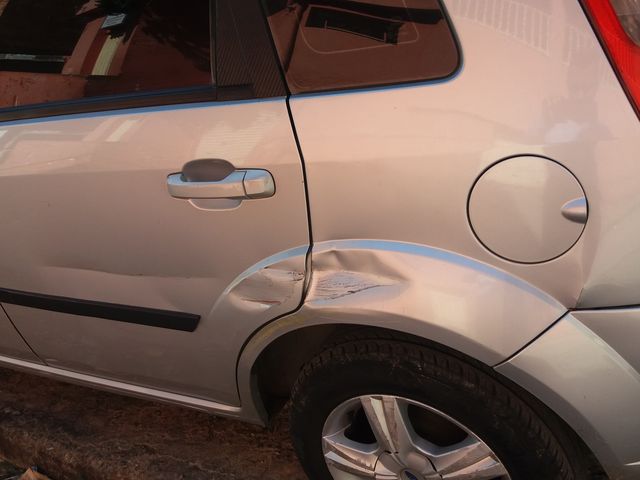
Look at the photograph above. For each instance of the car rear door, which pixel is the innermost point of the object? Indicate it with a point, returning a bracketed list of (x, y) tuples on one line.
[(153, 215)]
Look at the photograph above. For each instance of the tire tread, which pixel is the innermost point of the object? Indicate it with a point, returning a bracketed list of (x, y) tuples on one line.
[(382, 347)]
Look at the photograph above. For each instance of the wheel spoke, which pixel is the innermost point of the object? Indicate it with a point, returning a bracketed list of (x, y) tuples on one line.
[(353, 458), (487, 469), (399, 451), (470, 459), (389, 421)]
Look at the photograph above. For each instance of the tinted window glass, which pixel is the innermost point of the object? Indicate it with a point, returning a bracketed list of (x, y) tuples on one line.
[(333, 44), (54, 50)]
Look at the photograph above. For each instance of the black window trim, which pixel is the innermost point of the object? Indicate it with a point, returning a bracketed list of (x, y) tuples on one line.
[(112, 102)]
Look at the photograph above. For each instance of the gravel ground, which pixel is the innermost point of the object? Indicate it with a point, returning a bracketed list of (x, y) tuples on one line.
[(71, 432)]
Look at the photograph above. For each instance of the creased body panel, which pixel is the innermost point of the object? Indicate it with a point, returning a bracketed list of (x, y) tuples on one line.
[(464, 304), (432, 293), (87, 215), (398, 163)]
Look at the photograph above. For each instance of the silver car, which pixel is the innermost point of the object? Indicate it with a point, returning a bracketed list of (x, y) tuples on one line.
[(416, 220)]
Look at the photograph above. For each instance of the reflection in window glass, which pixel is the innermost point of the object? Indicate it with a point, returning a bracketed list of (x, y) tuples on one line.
[(333, 44), (54, 50)]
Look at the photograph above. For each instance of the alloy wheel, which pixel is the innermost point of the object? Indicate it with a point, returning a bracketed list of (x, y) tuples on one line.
[(385, 437)]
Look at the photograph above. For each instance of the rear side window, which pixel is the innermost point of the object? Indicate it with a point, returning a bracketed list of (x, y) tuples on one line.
[(56, 50), (337, 44)]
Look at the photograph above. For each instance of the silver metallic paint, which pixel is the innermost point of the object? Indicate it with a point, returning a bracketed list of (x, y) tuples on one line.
[(587, 383), (516, 209), (11, 343), (534, 81), (457, 301), (86, 214), (120, 387), (392, 165), (240, 184), (576, 210), (619, 328), (199, 364)]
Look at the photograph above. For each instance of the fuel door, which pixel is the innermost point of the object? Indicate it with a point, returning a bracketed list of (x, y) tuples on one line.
[(528, 209)]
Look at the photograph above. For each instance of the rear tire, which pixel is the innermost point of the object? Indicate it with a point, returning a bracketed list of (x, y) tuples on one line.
[(476, 401)]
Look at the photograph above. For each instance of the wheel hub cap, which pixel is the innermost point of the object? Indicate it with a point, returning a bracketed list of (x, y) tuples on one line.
[(374, 437)]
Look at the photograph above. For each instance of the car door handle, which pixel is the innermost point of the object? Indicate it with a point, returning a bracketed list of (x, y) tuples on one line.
[(239, 184)]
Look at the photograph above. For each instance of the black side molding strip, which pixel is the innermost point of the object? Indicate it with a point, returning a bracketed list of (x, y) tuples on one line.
[(151, 317)]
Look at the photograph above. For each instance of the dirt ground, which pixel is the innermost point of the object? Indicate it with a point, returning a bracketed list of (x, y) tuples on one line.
[(71, 432), (9, 471)]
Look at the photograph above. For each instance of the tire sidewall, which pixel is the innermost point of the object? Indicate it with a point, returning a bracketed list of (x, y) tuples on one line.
[(466, 400)]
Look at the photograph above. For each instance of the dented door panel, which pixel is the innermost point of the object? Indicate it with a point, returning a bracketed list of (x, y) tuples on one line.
[(90, 217)]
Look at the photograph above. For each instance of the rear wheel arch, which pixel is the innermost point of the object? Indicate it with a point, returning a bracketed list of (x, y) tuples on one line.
[(277, 367), (269, 372)]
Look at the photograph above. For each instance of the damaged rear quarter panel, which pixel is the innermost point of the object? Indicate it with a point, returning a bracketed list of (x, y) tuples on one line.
[(467, 305), (448, 298)]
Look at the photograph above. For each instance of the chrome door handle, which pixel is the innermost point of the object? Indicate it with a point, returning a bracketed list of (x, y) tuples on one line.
[(240, 184), (576, 210)]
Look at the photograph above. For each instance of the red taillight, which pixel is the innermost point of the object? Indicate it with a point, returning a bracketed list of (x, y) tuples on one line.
[(618, 24)]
